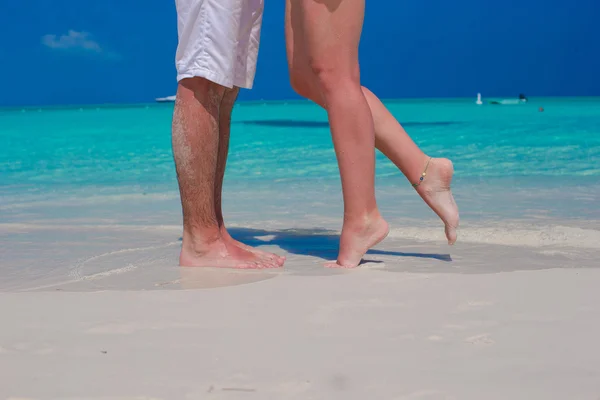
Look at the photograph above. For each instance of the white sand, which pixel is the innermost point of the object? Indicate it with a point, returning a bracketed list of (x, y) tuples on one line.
[(497, 322), (94, 307), (363, 335)]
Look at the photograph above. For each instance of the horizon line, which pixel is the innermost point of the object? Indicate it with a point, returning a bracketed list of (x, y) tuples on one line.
[(259, 101)]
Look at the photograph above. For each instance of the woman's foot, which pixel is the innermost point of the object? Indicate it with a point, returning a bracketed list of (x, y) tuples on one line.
[(358, 238), (435, 190)]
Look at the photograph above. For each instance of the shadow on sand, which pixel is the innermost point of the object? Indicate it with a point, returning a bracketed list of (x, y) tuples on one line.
[(316, 242)]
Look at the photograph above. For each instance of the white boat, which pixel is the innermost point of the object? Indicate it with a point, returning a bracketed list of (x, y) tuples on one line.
[(522, 99), (168, 99), (479, 102)]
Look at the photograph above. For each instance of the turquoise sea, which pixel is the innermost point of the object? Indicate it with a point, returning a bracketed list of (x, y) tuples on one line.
[(74, 148), (74, 179)]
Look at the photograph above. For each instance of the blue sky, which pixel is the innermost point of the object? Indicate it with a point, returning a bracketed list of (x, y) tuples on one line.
[(122, 51)]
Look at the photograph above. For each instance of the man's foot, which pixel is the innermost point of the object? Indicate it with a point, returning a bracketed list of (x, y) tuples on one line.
[(357, 240), (435, 190), (265, 255), (220, 255)]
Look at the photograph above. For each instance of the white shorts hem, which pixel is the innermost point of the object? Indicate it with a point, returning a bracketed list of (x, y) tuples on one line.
[(219, 79), (215, 77)]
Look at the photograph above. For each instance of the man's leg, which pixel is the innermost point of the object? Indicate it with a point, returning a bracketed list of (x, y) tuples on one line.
[(224, 133), (225, 112), (195, 148)]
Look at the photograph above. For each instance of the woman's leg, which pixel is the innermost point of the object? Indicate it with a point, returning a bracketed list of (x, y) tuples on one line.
[(331, 31), (390, 137)]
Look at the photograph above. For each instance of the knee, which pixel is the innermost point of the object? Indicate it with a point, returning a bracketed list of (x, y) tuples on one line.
[(332, 76), (200, 89)]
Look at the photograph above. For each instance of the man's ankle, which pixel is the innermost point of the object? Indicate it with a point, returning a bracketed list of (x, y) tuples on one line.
[(224, 233), (200, 240)]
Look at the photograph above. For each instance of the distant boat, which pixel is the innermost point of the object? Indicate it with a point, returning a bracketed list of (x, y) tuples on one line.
[(479, 102), (168, 99), (522, 99)]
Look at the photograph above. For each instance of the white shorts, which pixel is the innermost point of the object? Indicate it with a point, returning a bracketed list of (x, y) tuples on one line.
[(219, 40)]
